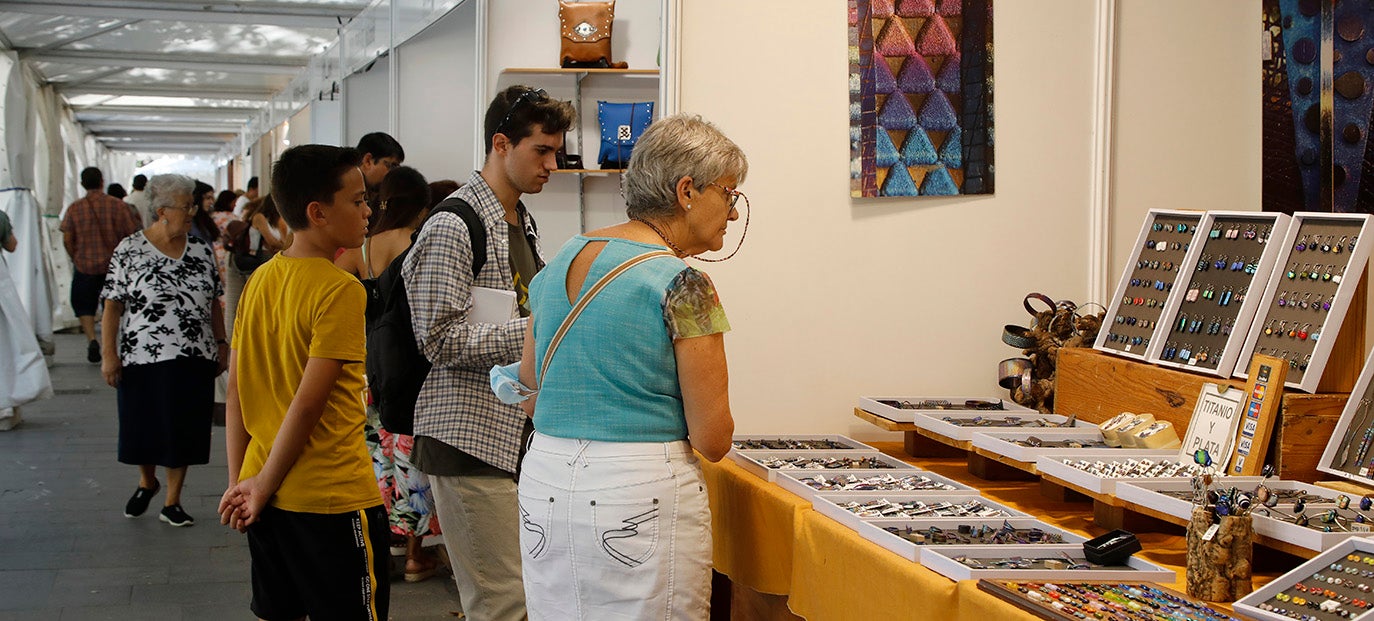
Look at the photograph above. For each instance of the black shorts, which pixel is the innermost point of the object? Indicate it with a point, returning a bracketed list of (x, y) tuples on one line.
[(86, 293), (321, 565)]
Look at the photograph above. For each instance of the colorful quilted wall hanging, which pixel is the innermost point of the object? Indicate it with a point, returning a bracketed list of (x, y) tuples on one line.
[(920, 97), (1318, 68)]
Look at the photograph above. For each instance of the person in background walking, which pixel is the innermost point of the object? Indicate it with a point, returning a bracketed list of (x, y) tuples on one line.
[(91, 228)]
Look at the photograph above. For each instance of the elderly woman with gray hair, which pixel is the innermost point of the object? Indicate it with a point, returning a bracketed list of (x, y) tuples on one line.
[(613, 505), (163, 344)]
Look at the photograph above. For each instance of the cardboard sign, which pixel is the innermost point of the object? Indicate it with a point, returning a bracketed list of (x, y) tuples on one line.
[(1213, 426)]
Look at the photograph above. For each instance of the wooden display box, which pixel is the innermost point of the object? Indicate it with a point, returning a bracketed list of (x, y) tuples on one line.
[(1096, 387)]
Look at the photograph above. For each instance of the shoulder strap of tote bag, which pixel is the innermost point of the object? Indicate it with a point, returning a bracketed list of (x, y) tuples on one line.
[(586, 299)]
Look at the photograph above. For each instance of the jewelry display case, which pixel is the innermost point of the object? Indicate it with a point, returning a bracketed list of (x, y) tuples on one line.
[(907, 538), (1074, 601), (1335, 585), (1350, 452), (1123, 465), (766, 464), (1027, 446), (962, 425), (843, 507), (1152, 271), (1046, 562), (1308, 294), (1206, 324), (904, 409), (797, 442), (807, 483)]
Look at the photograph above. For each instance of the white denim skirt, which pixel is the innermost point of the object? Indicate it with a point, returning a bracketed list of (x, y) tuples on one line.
[(614, 530)]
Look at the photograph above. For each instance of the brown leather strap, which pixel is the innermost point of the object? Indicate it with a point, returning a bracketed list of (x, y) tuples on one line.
[(1026, 303)]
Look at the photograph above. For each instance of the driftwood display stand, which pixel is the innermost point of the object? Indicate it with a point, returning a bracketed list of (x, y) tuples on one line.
[(1219, 568)]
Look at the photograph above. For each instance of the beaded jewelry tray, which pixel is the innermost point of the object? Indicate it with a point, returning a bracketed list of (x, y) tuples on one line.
[(1075, 601), (1044, 562), (908, 537), (806, 483), (766, 464), (798, 443), (1335, 585)]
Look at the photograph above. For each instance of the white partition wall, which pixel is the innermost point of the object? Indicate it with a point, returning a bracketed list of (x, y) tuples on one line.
[(367, 102), (326, 122), (438, 96)]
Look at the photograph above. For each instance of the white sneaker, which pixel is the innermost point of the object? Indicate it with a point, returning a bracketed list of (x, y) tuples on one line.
[(9, 418)]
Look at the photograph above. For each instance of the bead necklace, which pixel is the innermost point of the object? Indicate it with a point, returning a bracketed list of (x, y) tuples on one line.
[(661, 235)]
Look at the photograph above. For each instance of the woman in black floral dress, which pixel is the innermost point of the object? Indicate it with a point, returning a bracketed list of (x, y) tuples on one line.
[(163, 342)]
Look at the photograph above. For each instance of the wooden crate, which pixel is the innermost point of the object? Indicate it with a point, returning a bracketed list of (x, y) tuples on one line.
[(1098, 386)]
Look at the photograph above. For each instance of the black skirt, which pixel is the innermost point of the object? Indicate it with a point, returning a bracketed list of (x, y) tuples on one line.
[(165, 409)]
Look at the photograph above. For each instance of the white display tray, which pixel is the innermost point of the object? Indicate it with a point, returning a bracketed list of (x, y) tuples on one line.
[(934, 423), (1249, 605), (996, 442), (1349, 413), (1054, 466), (873, 530), (749, 460), (941, 560), (1145, 492), (899, 415), (851, 443), (791, 480), (828, 504)]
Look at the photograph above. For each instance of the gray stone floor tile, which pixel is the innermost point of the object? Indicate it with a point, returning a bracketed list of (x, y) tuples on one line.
[(137, 612), (25, 589)]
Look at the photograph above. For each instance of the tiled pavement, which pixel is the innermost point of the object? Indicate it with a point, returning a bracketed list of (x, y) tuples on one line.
[(68, 553)]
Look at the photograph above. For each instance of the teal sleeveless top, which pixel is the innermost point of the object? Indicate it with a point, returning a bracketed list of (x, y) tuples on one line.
[(614, 377)]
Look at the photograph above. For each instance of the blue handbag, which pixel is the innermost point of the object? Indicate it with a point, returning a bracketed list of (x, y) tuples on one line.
[(621, 126)]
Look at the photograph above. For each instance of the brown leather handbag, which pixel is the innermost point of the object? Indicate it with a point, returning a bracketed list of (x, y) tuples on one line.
[(586, 35)]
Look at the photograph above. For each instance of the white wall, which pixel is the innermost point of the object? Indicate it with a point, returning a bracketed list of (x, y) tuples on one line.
[(366, 102), (326, 122), (437, 99)]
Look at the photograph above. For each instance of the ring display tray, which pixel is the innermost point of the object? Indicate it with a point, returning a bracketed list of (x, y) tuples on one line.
[(1151, 274), (962, 425), (1169, 497), (1118, 600), (1011, 444), (797, 442), (1208, 321), (833, 506), (901, 542), (1280, 593), (1058, 467), (755, 461), (1350, 452), (1309, 293), (973, 562), (804, 483), (903, 409)]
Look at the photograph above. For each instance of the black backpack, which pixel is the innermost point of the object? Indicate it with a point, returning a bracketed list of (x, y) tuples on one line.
[(396, 369)]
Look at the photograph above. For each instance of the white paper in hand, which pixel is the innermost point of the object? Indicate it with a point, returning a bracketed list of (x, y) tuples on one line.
[(491, 305)]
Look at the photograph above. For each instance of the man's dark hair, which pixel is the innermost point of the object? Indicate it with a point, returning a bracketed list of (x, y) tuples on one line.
[(91, 179), (404, 193), (116, 191), (380, 145), (140, 182), (515, 111), (309, 173), (252, 183)]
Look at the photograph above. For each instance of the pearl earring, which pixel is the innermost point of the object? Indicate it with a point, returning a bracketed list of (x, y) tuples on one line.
[(164, 222), (689, 205)]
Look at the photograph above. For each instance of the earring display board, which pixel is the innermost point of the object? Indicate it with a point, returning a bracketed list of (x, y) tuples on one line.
[(1350, 453), (1035, 563), (807, 483), (1132, 320), (907, 538), (1206, 324), (1335, 585), (1074, 601), (1309, 293)]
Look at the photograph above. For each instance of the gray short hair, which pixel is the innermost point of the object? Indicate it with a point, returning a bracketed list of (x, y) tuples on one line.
[(672, 148), (163, 190)]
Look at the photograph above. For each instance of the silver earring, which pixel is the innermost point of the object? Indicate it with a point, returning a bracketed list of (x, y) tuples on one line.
[(689, 205), (164, 222)]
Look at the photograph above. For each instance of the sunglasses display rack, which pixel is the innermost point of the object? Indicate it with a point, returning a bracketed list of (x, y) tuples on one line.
[(797, 442), (853, 509), (1030, 445), (1336, 585), (1320, 530), (1152, 271), (907, 538), (904, 409), (766, 464), (1304, 304), (808, 483), (1075, 601), (1123, 465), (1350, 452), (1205, 325), (1046, 562)]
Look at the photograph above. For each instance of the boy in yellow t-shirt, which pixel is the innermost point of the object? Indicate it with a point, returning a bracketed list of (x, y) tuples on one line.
[(300, 478)]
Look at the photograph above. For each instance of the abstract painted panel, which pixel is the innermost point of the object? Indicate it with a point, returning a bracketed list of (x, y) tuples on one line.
[(920, 97), (1318, 95)]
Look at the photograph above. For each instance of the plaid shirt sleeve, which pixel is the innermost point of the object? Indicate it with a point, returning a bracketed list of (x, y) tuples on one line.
[(438, 280)]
